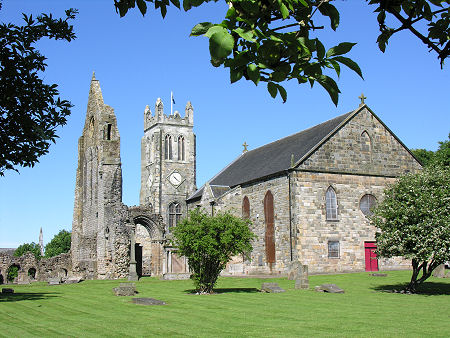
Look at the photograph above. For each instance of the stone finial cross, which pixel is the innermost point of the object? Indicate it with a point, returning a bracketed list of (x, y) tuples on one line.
[(245, 145), (362, 97)]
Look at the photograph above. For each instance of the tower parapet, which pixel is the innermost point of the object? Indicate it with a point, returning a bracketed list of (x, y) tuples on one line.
[(150, 119)]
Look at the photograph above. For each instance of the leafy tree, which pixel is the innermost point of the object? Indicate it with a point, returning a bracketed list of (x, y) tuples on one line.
[(424, 156), (274, 41), (442, 155), (440, 158), (59, 244), (209, 243), (28, 247), (30, 111), (414, 219), (13, 272)]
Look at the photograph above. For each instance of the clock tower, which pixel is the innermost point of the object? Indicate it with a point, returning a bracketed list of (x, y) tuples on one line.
[(167, 162)]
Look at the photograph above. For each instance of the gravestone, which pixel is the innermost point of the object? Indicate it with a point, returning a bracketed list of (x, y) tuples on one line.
[(301, 279), (439, 271), (147, 301), (125, 289), (54, 281), (7, 290), (330, 288), (271, 288), (378, 274), (73, 280)]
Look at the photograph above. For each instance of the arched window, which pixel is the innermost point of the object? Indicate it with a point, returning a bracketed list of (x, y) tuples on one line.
[(331, 204), (174, 214), (245, 208), (365, 142), (168, 147), (366, 204), (181, 156), (270, 230)]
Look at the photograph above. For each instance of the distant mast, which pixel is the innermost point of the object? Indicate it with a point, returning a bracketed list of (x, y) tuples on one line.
[(41, 242)]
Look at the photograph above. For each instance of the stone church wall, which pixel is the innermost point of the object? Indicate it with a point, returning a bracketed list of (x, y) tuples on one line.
[(232, 201), (349, 152), (351, 229)]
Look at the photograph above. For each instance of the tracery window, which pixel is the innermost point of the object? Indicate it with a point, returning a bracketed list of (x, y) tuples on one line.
[(331, 204), (168, 147), (174, 214), (366, 204), (181, 154)]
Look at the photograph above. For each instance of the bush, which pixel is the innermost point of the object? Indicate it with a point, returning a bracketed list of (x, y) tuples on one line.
[(209, 243)]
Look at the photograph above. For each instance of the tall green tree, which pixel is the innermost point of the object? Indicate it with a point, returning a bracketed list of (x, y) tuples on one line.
[(414, 222), (59, 244), (30, 110), (209, 243), (28, 247), (440, 158), (273, 41)]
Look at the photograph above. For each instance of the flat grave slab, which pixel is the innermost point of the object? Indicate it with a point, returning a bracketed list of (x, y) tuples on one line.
[(148, 301)]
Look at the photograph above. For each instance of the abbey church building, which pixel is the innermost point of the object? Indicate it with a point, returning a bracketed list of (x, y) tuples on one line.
[(308, 195)]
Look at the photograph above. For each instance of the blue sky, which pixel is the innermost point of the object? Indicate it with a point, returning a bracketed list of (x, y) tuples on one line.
[(140, 59)]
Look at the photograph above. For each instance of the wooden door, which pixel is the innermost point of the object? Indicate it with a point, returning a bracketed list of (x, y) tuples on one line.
[(270, 231), (371, 256), (178, 265)]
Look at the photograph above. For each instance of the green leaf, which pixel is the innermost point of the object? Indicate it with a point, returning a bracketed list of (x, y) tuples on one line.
[(253, 73), (330, 11), (246, 35), (336, 66), (340, 49), (214, 29), (231, 13), (320, 49), (350, 64), (201, 28), (235, 75), (272, 88), (330, 86), (282, 92), (176, 3), (221, 44), (142, 6), (283, 9)]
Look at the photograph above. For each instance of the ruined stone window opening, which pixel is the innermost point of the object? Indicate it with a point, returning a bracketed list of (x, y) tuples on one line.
[(331, 204), (32, 273), (168, 147), (245, 208), (333, 249), (108, 131), (181, 153), (367, 203), (366, 144), (174, 214)]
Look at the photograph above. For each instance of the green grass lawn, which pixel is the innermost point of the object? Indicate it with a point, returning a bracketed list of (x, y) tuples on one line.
[(237, 309)]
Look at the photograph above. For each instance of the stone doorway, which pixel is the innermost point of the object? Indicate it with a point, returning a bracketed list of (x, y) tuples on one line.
[(138, 257)]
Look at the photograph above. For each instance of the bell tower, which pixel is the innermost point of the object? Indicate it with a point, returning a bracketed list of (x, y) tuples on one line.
[(168, 162)]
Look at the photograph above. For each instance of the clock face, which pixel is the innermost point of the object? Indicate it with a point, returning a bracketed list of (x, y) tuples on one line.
[(175, 179)]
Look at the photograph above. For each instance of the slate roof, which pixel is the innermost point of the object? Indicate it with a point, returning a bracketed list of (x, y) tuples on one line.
[(274, 157)]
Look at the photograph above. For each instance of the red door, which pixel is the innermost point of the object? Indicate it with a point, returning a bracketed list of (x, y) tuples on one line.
[(371, 256)]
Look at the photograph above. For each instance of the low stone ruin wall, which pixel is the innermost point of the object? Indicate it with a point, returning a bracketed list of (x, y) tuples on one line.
[(31, 269)]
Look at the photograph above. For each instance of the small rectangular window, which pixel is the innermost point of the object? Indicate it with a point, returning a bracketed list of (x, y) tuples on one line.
[(333, 249)]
